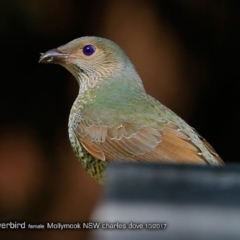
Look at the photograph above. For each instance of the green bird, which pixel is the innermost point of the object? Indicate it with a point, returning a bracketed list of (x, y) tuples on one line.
[(114, 119)]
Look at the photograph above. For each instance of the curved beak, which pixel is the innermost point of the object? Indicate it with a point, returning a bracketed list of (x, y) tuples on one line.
[(53, 56)]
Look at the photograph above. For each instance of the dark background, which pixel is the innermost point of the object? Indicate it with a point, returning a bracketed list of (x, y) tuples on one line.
[(186, 52)]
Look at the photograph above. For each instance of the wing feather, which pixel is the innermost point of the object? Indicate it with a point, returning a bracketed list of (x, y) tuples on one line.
[(129, 141)]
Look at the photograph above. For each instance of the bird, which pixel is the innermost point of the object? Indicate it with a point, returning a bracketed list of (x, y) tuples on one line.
[(114, 119)]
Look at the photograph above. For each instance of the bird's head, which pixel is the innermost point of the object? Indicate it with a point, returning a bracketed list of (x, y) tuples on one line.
[(89, 59)]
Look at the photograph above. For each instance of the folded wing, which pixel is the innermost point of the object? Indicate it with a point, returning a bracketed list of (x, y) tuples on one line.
[(128, 141)]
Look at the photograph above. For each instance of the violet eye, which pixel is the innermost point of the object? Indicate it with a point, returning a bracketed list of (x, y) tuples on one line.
[(88, 50)]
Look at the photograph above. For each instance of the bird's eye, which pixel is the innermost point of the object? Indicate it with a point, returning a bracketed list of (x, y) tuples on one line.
[(88, 50)]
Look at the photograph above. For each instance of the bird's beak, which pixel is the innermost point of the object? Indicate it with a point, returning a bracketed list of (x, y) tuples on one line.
[(53, 56)]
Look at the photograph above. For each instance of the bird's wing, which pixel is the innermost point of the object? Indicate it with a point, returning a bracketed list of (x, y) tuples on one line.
[(131, 142), (138, 128), (119, 142), (177, 146), (210, 148)]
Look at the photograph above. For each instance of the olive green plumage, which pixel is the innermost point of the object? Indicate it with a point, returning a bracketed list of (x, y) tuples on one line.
[(113, 118)]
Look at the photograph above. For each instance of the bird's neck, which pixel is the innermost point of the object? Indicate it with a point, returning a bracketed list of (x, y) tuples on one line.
[(105, 92), (88, 82)]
